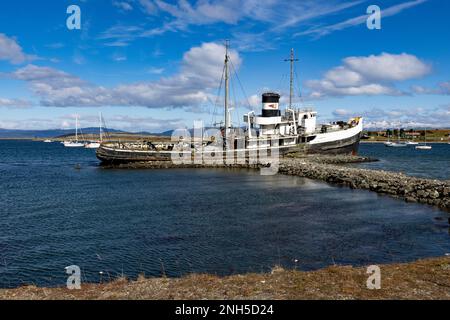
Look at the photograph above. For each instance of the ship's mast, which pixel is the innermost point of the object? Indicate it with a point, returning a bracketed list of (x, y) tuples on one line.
[(76, 128), (101, 126), (291, 84), (227, 84)]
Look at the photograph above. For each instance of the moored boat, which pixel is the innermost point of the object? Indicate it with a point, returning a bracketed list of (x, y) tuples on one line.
[(92, 145), (96, 144), (424, 146), (75, 143), (396, 145)]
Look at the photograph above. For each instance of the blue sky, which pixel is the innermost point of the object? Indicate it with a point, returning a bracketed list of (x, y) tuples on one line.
[(156, 65)]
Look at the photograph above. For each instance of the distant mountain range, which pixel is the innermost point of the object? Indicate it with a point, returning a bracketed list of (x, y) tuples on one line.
[(53, 133)]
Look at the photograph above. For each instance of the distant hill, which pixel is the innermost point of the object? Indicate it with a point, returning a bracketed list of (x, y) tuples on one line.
[(55, 133)]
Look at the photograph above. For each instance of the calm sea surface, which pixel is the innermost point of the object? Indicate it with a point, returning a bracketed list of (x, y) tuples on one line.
[(180, 221), (433, 163)]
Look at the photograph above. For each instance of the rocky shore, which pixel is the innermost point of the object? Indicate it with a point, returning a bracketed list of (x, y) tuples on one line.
[(333, 169), (423, 279)]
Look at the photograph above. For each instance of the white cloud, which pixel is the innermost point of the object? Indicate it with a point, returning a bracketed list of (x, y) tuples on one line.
[(119, 58), (342, 112), (27, 124), (389, 67), (443, 88), (121, 35), (11, 51), (204, 12), (123, 5), (254, 101), (417, 117), (309, 10), (275, 16), (200, 71), (148, 6), (321, 31), (372, 75), (324, 88), (15, 103), (154, 70), (46, 75), (121, 32), (275, 13)]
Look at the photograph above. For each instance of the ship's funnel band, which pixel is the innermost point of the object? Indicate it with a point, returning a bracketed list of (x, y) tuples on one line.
[(271, 113)]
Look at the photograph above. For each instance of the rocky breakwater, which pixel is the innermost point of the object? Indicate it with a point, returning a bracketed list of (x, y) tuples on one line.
[(398, 185)]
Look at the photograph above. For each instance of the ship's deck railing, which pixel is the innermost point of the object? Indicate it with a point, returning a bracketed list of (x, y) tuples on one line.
[(307, 108)]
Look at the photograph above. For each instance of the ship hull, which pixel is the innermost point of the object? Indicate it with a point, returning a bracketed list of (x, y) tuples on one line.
[(344, 146), (112, 155), (116, 156)]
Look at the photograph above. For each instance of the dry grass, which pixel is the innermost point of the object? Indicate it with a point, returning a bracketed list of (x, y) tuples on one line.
[(425, 279)]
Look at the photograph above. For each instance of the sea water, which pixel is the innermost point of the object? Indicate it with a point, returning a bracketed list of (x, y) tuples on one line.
[(60, 208)]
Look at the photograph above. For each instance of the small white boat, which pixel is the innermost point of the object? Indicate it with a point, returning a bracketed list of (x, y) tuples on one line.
[(73, 144), (412, 143), (48, 141), (92, 145), (76, 143), (96, 144), (424, 147), (395, 144)]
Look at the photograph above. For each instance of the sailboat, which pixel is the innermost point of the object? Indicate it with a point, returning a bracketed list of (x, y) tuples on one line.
[(389, 142), (76, 143), (397, 144), (425, 146), (96, 144)]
